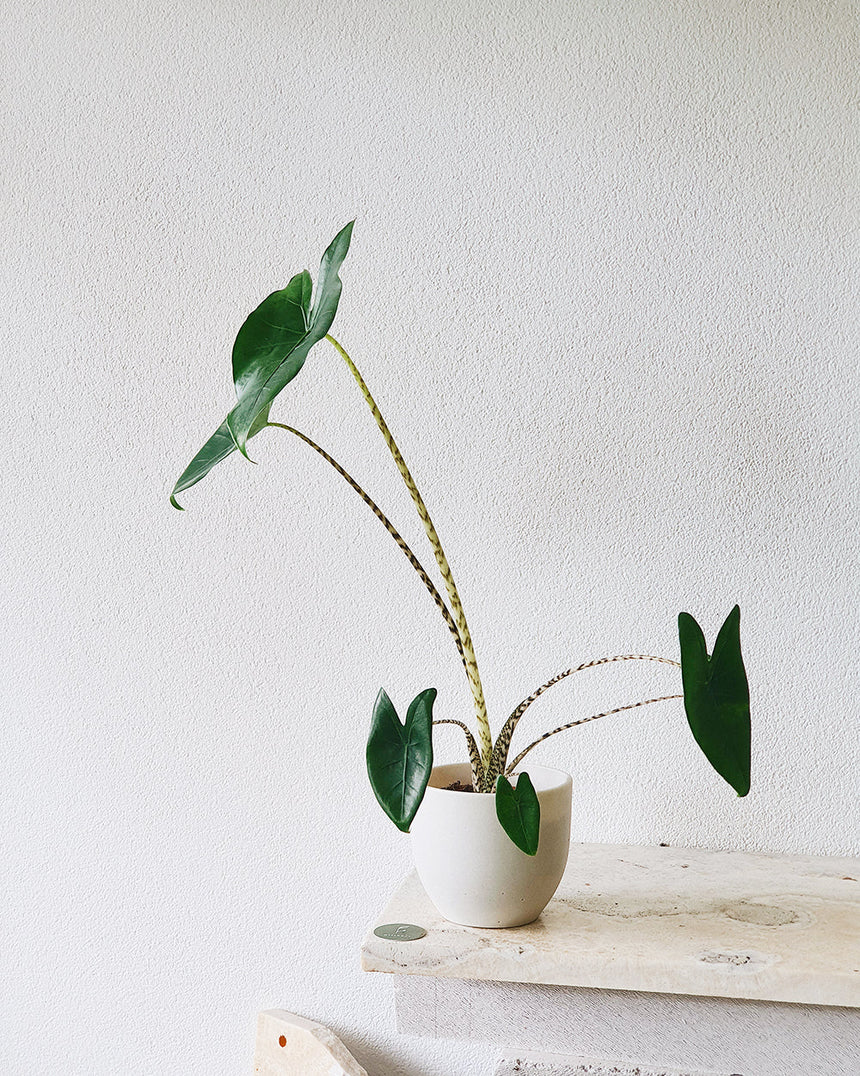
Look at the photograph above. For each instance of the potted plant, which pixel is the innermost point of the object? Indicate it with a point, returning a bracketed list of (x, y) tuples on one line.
[(490, 839)]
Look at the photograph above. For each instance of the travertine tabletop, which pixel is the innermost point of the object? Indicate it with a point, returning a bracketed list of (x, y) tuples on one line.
[(665, 920)]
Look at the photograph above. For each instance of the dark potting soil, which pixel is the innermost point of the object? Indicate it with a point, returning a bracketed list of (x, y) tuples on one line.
[(458, 787)]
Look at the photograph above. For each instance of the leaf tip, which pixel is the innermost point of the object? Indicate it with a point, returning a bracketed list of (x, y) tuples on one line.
[(241, 443), (176, 503)]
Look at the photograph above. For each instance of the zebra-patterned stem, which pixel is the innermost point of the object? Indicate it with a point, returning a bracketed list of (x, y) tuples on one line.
[(584, 721), (503, 742), (469, 660), (474, 753), (389, 526)]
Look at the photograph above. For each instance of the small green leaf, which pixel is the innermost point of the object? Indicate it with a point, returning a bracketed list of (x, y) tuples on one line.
[(219, 446), (400, 756), (274, 341), (717, 698), (518, 811)]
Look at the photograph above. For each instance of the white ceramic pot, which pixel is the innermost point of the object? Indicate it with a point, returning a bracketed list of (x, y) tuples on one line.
[(470, 868)]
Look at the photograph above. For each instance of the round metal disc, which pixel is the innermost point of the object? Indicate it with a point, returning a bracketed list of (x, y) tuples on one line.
[(400, 932)]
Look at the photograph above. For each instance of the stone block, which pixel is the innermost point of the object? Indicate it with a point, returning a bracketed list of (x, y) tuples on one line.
[(289, 1045), (558, 1065)]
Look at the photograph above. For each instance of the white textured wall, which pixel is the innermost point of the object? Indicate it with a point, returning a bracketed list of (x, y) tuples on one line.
[(600, 282)]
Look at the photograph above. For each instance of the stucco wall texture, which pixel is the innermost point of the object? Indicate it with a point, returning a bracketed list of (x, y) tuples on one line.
[(601, 286)]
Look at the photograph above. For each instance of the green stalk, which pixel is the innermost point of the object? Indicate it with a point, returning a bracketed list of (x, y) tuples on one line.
[(389, 526), (499, 761), (584, 721), (474, 754), (484, 735)]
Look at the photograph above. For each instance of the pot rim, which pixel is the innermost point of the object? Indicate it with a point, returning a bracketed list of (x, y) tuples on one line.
[(544, 778)]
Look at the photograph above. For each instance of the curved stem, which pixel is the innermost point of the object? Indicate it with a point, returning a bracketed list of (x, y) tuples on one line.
[(584, 721), (503, 743), (389, 526), (470, 661), (474, 753)]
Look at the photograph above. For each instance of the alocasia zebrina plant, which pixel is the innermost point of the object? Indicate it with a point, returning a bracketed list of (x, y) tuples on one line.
[(270, 350)]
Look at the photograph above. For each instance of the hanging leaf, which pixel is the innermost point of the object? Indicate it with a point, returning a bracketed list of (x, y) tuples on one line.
[(717, 698), (274, 342), (219, 446), (270, 349), (400, 756), (518, 811), (271, 333)]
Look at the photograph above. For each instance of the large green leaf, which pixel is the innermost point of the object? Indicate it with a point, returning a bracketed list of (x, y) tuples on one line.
[(274, 341), (219, 446), (717, 698), (400, 756), (269, 351), (272, 332), (518, 811)]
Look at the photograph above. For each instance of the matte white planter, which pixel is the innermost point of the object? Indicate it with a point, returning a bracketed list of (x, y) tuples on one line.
[(470, 868)]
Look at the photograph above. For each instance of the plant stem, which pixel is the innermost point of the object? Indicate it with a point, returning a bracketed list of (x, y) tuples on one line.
[(583, 721), (389, 526), (469, 659), (503, 743), (474, 754)]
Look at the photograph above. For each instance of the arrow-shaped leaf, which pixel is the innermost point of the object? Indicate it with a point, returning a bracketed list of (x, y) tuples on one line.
[(270, 349), (271, 332), (219, 446), (274, 341), (717, 698), (518, 811), (400, 756)]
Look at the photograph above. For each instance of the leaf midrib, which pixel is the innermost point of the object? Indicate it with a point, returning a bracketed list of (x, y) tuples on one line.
[(309, 325)]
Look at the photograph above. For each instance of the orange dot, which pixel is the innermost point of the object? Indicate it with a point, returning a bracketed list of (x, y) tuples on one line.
[(282, 1041)]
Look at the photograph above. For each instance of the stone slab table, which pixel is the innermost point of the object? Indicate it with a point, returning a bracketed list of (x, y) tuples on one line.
[(733, 962)]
